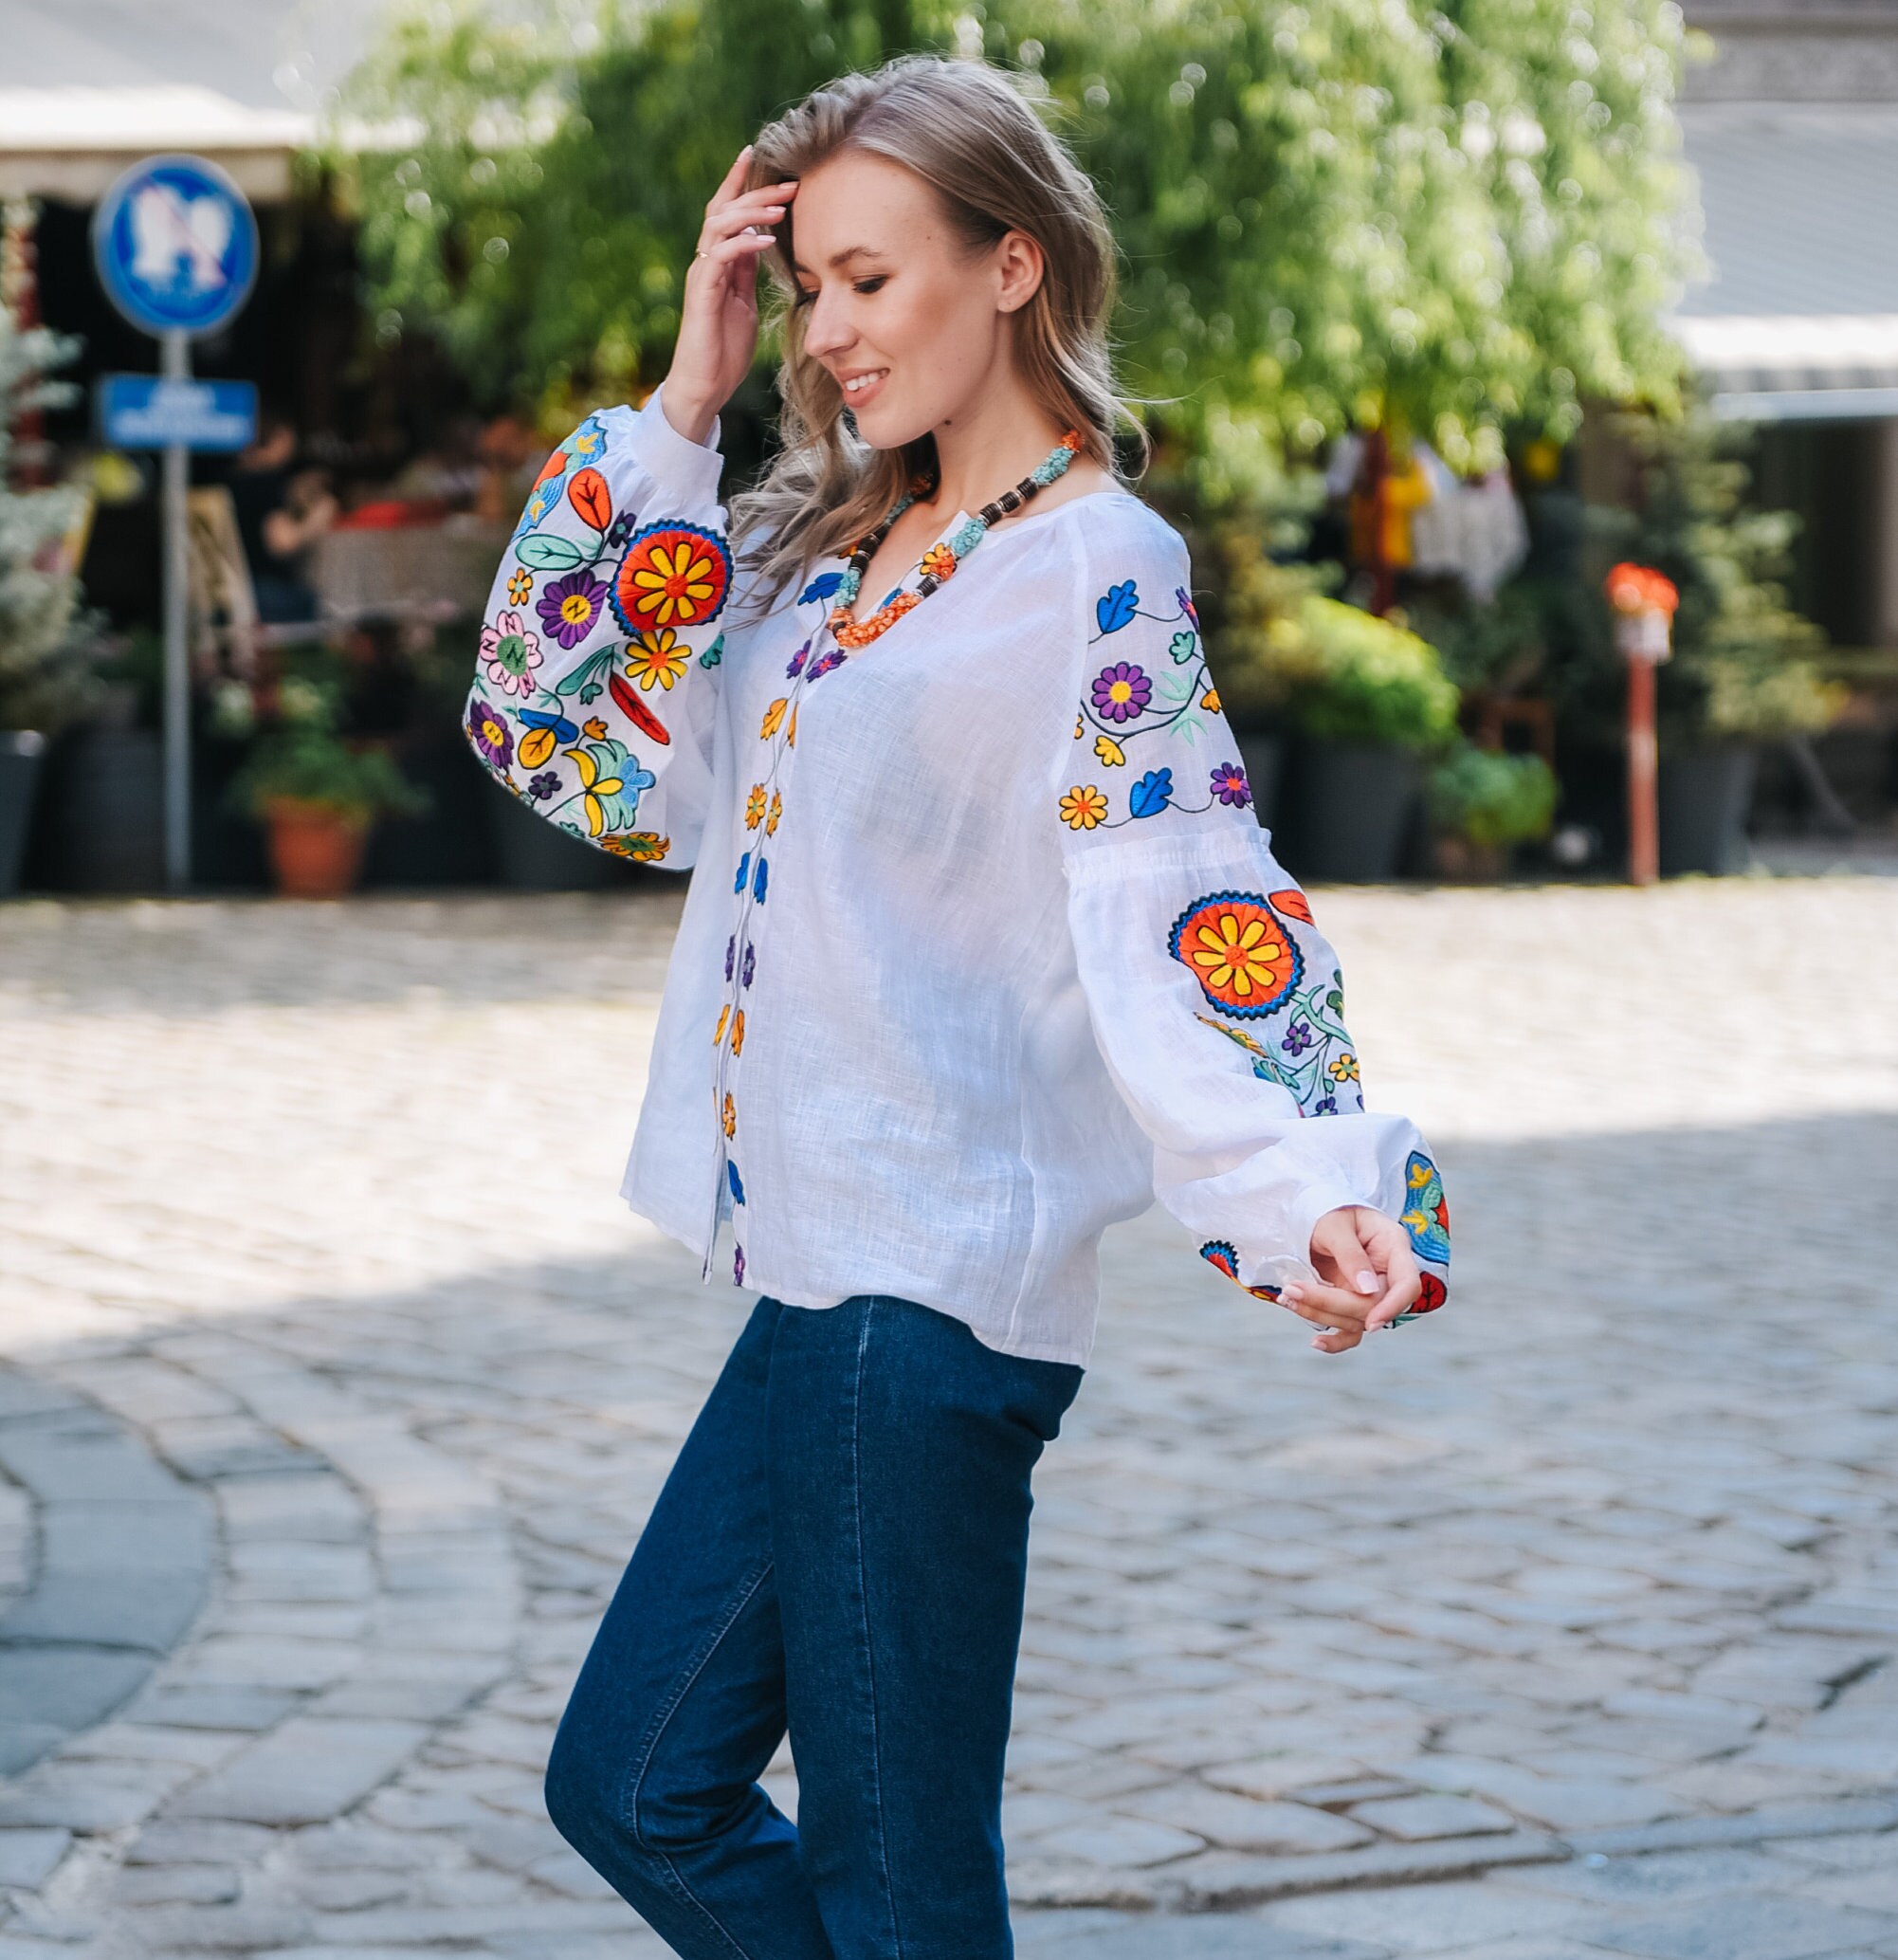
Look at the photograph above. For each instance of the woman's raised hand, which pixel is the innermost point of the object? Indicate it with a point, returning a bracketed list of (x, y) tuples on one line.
[(718, 324)]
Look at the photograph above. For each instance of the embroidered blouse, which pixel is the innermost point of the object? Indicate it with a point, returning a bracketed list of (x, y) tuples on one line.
[(984, 947)]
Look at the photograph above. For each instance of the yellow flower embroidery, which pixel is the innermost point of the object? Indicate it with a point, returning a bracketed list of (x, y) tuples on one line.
[(595, 731), (1344, 1069), (774, 719), (656, 656), (1210, 700), (718, 1032), (1109, 751), (731, 1117), (1082, 809), (791, 732), (520, 588), (754, 807), (739, 1032), (776, 811), (678, 582), (596, 786), (1077, 728)]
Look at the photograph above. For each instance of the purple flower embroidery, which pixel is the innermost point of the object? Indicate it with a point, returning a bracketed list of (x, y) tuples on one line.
[(823, 664), (731, 952), (488, 730), (751, 964), (1327, 1107), (1230, 785), (738, 1265), (569, 607), (796, 666), (620, 529), (1298, 1038), (1187, 606), (545, 785), (1121, 691)]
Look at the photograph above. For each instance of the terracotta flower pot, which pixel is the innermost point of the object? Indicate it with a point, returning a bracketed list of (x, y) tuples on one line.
[(316, 850)]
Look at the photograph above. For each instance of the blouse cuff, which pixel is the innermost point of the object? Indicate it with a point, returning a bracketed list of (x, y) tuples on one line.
[(686, 468)]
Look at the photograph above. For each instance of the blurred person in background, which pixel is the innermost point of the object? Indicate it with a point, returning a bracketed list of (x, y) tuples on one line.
[(989, 951), (281, 511)]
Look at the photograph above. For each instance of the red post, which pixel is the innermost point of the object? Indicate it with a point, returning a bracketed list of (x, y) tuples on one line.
[(1644, 604), (1644, 823)]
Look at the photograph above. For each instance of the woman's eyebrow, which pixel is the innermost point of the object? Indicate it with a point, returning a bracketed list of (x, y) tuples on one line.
[(842, 258)]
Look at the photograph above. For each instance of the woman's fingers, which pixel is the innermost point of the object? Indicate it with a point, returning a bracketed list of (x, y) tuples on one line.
[(1341, 1255), (1391, 1251)]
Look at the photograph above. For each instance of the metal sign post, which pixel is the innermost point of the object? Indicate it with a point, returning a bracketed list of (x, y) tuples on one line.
[(175, 246)]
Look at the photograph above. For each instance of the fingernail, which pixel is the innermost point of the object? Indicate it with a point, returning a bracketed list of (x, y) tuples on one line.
[(1367, 1282)]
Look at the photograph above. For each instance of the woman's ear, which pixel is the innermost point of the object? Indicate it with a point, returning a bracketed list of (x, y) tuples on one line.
[(1020, 262)]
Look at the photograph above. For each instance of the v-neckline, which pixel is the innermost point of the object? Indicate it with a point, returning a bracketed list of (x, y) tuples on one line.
[(914, 570)]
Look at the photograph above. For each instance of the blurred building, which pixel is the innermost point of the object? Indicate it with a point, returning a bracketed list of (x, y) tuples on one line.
[(1791, 131)]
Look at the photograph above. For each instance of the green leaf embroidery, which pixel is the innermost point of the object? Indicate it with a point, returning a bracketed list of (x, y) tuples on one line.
[(544, 552), (713, 653), (588, 678), (1183, 646)]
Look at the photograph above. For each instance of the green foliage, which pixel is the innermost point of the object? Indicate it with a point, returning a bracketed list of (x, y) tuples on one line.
[(45, 675), (1744, 663), (1491, 799), (1340, 675), (1455, 215), (297, 754)]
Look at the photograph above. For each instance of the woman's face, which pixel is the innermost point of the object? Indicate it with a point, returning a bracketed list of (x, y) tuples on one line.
[(889, 295)]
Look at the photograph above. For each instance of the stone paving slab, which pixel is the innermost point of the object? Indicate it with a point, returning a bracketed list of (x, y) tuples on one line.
[(1566, 1620)]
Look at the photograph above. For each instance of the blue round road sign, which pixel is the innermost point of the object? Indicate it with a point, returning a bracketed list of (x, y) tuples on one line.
[(176, 245)]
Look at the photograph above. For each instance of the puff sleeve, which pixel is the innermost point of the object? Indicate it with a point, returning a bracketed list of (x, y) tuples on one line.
[(1216, 1003), (597, 680)]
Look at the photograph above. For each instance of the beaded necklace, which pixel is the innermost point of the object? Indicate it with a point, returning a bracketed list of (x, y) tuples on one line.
[(941, 561)]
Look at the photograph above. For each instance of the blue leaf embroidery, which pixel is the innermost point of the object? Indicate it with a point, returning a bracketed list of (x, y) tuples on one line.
[(1116, 606), (732, 1178), (744, 872), (758, 880), (1152, 793), (820, 587)]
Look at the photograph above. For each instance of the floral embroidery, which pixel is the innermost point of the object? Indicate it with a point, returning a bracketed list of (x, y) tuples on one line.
[(1432, 1296), (1082, 809), (718, 1032), (488, 731), (1344, 1069), (1121, 691), (825, 663), (750, 965), (656, 656), (758, 879), (1300, 1062), (645, 846), (1224, 1255), (545, 785), (738, 1264), (547, 729), (636, 711), (1427, 1216), (776, 811), (587, 440), (774, 718), (569, 607), (1234, 945), (1109, 751), (753, 814), (672, 575), (611, 784), (1293, 904), (593, 729), (1151, 793), (521, 586), (512, 654), (1230, 785), (731, 954), (731, 1117), (797, 659), (739, 1032), (734, 1182), (745, 872)]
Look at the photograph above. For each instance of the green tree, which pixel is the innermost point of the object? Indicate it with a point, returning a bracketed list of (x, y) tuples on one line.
[(1453, 217)]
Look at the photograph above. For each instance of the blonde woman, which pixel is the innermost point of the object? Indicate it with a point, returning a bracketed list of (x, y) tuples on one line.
[(983, 948)]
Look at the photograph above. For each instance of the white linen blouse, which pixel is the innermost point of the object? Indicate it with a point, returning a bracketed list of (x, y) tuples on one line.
[(984, 947)]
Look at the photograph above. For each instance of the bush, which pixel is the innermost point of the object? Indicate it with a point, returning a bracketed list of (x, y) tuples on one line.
[(1491, 798)]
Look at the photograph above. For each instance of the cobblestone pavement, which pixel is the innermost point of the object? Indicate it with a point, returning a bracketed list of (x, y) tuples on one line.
[(337, 1383)]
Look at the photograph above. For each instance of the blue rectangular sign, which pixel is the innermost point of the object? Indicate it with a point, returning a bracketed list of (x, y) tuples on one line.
[(146, 412)]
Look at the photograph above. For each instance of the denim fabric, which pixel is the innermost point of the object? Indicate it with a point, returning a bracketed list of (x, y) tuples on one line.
[(841, 1549)]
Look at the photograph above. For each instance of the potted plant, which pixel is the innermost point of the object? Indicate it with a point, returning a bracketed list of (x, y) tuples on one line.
[(1483, 801), (1368, 701), (44, 677), (316, 794)]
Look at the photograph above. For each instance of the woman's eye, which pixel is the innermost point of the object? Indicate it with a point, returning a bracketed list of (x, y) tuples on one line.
[(871, 285)]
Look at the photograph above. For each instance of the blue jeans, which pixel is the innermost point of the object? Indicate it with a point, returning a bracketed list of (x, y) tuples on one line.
[(840, 1550)]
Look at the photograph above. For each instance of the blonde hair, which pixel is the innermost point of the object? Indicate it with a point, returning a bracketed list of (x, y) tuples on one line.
[(966, 129)]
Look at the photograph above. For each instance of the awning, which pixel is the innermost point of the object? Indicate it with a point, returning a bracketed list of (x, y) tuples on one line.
[(1799, 320)]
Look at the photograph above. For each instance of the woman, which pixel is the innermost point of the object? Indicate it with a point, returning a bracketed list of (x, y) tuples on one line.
[(987, 947)]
